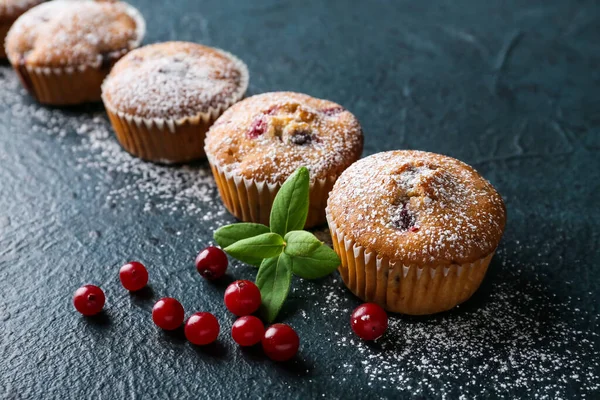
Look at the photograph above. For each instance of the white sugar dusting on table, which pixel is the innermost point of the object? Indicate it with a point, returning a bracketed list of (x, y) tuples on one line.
[(165, 188), (517, 337), (520, 339)]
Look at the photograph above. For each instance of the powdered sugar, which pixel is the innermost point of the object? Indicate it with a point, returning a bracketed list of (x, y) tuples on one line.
[(519, 340), (175, 80), (187, 189), (457, 216), (65, 33), (258, 137)]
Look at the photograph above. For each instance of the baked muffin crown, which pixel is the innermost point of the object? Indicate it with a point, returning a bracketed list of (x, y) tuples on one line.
[(11, 9), (268, 136), (68, 33), (418, 208), (175, 80)]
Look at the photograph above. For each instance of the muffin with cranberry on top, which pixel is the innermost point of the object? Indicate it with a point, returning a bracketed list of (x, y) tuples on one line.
[(10, 10), (162, 98), (259, 142), (415, 231), (62, 50)]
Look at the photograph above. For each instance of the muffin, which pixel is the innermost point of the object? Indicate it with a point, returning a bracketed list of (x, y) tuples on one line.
[(63, 49), (259, 142), (10, 10), (415, 231), (162, 98)]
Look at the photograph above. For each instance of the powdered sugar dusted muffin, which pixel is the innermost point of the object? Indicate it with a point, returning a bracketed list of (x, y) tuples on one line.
[(10, 10), (415, 231), (259, 142), (162, 98), (63, 49)]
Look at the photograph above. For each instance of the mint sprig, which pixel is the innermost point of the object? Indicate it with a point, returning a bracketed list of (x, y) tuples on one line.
[(282, 250)]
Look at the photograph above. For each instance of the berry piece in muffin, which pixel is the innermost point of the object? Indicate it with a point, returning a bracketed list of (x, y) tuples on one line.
[(259, 142), (420, 229)]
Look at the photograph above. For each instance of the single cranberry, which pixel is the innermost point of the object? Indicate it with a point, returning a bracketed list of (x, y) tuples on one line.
[(247, 330), (258, 127), (133, 276), (332, 110), (414, 228), (404, 219), (89, 300), (168, 313), (211, 263), (369, 321), (280, 342), (202, 328), (242, 298)]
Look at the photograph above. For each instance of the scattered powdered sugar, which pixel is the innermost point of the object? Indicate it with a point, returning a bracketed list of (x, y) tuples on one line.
[(170, 189), (174, 80), (74, 33), (521, 339), (418, 207)]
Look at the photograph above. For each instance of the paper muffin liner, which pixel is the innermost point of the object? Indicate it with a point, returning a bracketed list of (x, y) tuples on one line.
[(407, 289), (71, 85), (172, 140), (250, 200)]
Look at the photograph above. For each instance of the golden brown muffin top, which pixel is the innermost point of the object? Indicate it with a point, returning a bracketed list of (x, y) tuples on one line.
[(11, 9), (268, 136), (68, 33), (418, 208), (175, 80)]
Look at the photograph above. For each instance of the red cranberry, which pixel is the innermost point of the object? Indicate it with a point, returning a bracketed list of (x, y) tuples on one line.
[(332, 110), (280, 342), (202, 328), (133, 276), (369, 321), (242, 298), (258, 127), (168, 313), (89, 300), (211, 263), (247, 330)]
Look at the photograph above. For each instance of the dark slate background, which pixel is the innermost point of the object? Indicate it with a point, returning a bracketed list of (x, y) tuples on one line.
[(511, 87)]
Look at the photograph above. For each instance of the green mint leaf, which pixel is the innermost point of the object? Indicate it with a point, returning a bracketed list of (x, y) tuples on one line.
[(290, 207), (300, 243), (321, 262), (273, 279), (266, 245), (228, 235)]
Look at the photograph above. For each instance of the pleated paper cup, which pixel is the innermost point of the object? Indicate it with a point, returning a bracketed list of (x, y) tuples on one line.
[(170, 141), (250, 200), (407, 289), (63, 86)]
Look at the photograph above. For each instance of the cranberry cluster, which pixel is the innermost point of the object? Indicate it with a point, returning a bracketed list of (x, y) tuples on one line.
[(280, 342)]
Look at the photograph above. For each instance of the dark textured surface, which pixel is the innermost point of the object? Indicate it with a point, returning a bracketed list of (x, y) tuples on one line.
[(509, 87)]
